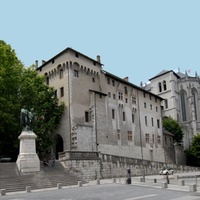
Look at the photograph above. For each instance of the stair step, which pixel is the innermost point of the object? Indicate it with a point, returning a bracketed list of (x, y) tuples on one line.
[(48, 177)]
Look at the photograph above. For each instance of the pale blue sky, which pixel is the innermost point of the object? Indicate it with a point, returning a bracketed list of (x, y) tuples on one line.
[(135, 38)]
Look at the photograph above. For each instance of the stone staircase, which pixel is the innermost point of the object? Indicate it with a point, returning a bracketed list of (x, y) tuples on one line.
[(48, 177)]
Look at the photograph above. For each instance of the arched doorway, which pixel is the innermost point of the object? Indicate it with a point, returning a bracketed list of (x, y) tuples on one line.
[(58, 145)]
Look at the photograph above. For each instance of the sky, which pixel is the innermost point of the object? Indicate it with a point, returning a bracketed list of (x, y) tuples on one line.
[(135, 38)]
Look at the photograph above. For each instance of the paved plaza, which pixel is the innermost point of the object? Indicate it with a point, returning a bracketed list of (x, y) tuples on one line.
[(117, 189)]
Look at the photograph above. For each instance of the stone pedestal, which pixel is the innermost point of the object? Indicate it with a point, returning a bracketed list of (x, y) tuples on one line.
[(28, 161)]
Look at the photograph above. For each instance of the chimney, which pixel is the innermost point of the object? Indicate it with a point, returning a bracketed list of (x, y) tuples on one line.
[(98, 59), (43, 61), (36, 64), (126, 78)]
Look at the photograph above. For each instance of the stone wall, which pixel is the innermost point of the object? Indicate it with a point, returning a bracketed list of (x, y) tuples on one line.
[(93, 165)]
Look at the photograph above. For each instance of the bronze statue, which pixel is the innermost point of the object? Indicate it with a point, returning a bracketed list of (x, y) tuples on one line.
[(27, 119)]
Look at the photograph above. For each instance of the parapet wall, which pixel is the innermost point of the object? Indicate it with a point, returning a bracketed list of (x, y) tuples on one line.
[(93, 165)]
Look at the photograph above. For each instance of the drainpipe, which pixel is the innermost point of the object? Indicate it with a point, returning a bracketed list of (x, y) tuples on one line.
[(143, 173), (69, 105), (95, 108)]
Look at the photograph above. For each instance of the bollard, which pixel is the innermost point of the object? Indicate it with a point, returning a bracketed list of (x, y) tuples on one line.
[(80, 183), (181, 183), (114, 180), (164, 185), (98, 181), (28, 189), (155, 180), (59, 186), (3, 192), (192, 188)]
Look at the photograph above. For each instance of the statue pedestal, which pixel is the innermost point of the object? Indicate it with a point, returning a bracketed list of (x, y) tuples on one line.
[(28, 161)]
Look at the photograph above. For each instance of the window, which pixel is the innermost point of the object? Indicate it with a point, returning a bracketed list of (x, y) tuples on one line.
[(47, 80), (164, 85), (158, 123), (94, 63), (153, 138), (108, 81), (61, 91), (166, 103), (156, 100), (152, 121), (156, 109), (146, 120), (125, 90), (146, 137), (129, 135), (75, 73), (151, 107), (183, 105), (124, 118), (61, 73), (118, 134), (145, 104), (194, 95), (133, 118), (113, 114), (52, 61), (113, 96), (86, 116), (93, 79), (133, 100), (158, 138), (150, 97), (159, 87), (55, 93), (109, 94), (126, 100), (113, 83), (120, 95), (76, 54), (144, 94)]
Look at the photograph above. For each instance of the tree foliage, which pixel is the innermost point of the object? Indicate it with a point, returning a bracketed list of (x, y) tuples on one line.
[(20, 86), (193, 153), (173, 127)]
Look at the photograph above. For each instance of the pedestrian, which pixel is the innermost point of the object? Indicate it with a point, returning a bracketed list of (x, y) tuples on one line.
[(53, 162)]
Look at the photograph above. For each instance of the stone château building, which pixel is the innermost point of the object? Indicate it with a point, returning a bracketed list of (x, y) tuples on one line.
[(103, 112), (181, 94)]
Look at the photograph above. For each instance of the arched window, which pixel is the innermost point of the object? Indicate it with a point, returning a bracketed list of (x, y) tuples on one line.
[(164, 85), (159, 87), (183, 105), (194, 95)]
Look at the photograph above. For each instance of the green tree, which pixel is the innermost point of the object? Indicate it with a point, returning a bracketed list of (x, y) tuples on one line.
[(173, 127), (20, 86), (10, 73), (193, 153)]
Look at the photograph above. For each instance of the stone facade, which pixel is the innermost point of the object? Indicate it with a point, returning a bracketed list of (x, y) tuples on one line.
[(103, 112), (181, 96)]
